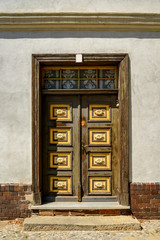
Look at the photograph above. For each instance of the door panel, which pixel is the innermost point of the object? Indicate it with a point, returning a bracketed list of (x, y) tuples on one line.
[(99, 161), (61, 153), (99, 157), (79, 147), (99, 185)]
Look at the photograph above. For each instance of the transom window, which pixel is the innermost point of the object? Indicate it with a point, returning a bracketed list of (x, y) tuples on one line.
[(79, 77)]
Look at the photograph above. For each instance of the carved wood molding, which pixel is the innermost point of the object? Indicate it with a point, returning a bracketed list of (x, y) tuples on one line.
[(123, 129), (80, 21)]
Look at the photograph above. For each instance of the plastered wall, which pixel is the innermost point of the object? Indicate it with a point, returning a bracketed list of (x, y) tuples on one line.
[(16, 49), (144, 6)]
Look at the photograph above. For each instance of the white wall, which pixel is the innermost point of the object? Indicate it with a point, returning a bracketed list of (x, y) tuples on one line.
[(16, 49), (144, 6)]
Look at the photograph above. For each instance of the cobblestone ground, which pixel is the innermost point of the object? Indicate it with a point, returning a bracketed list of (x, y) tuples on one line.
[(14, 230)]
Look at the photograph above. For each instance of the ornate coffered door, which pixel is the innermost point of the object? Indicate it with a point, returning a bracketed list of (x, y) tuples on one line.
[(79, 147), (78, 151)]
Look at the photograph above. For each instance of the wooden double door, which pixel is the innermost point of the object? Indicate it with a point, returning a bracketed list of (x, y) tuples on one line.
[(79, 147)]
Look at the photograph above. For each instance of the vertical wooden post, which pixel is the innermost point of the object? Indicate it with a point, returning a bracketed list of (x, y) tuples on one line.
[(124, 131), (36, 131)]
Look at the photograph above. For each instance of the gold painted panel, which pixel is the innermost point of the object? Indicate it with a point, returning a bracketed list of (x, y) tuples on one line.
[(60, 160), (100, 136), (100, 161), (60, 112), (99, 185), (99, 112), (60, 136), (61, 185)]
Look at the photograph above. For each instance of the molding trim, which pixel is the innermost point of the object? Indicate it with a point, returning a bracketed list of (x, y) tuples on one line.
[(122, 60), (79, 22)]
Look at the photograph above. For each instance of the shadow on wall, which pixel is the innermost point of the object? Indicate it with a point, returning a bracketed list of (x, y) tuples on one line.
[(79, 34)]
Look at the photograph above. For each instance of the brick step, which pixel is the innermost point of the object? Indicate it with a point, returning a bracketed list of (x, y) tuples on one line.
[(80, 209), (104, 212)]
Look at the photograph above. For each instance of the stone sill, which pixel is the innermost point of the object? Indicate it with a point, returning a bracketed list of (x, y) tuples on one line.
[(79, 206)]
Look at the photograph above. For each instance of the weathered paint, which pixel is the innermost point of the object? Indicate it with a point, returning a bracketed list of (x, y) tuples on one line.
[(16, 49), (81, 6)]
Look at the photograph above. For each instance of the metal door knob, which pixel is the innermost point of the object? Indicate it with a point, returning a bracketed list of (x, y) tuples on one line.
[(84, 147)]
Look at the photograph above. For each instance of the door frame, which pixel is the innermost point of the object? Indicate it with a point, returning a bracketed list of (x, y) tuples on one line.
[(122, 60)]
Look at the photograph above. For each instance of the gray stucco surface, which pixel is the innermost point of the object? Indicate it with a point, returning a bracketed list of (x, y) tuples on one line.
[(144, 6), (16, 49)]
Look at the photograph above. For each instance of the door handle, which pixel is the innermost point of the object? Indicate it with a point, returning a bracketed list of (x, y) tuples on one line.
[(85, 147)]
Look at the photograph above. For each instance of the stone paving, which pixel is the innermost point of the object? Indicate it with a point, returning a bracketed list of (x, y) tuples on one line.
[(14, 230)]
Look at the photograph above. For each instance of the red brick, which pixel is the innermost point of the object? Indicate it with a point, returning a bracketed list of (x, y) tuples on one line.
[(155, 201), (156, 205), (134, 196), (23, 215), (146, 200), (136, 209), (23, 206), (92, 212), (6, 193), (20, 188), (139, 186), (157, 185), (14, 202), (16, 188), (146, 186), (157, 196), (10, 203), (6, 188), (133, 202), (21, 194), (46, 212), (133, 186), (10, 197), (3, 206), (110, 212), (154, 210), (142, 205), (147, 210), (149, 196), (2, 188), (154, 191), (140, 192), (153, 186), (139, 201), (14, 193), (77, 213), (61, 212)]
